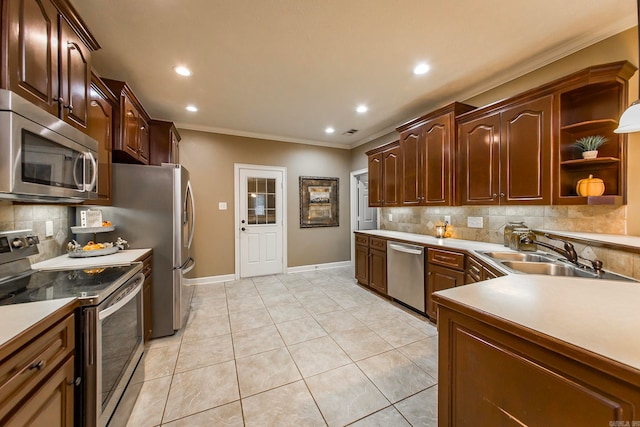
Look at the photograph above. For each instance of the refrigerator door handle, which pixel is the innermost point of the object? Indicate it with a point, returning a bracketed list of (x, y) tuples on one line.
[(193, 214), (184, 267)]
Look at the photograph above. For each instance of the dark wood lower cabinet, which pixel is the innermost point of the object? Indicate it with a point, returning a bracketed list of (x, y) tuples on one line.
[(378, 270), (439, 279), (495, 373), (362, 264), (147, 295)]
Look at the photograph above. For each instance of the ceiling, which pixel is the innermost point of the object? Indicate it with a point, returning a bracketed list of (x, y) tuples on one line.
[(287, 69)]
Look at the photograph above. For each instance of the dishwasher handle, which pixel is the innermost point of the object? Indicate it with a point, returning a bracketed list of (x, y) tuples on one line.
[(405, 249)]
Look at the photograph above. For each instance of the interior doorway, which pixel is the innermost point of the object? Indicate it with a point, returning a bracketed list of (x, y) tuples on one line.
[(362, 216), (260, 220)]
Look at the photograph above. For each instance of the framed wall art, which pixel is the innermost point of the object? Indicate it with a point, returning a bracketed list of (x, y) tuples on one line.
[(319, 202)]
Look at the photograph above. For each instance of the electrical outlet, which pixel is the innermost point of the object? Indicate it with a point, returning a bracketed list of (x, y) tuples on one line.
[(474, 222), (447, 219), (390, 216), (48, 227)]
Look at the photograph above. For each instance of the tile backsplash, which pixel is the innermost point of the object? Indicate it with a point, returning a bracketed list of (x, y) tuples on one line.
[(34, 217), (588, 219)]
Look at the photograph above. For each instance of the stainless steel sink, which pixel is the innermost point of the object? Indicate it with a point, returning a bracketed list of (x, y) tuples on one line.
[(547, 268), (519, 256)]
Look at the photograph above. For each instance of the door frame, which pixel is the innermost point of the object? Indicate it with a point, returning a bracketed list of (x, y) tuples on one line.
[(354, 208), (236, 211)]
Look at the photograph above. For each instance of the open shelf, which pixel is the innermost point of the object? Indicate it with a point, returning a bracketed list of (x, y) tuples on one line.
[(590, 125), (609, 200), (580, 163)]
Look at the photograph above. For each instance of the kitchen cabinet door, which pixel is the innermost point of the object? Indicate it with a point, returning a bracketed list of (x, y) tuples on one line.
[(439, 279), (378, 270), (525, 153), (75, 77), (479, 167), (391, 176), (375, 180), (437, 161), (411, 152), (100, 128), (164, 146), (130, 127), (143, 139), (32, 52), (362, 264)]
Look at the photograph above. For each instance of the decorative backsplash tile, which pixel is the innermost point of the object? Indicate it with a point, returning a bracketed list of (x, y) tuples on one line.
[(34, 217), (588, 219)]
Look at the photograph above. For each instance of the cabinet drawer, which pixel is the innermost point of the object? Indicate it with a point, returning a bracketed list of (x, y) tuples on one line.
[(453, 260), (362, 240), (474, 269), (22, 370), (379, 244)]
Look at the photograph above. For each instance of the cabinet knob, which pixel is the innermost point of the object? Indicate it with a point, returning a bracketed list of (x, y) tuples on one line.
[(141, 127), (68, 107), (58, 99), (494, 195), (39, 365), (501, 194)]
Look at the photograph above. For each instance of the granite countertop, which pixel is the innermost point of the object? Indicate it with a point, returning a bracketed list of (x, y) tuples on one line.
[(17, 318), (600, 316), (64, 262)]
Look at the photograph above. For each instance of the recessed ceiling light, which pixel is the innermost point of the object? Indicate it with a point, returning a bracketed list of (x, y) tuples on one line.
[(191, 108), (329, 130), (421, 69), (183, 71), (362, 108)]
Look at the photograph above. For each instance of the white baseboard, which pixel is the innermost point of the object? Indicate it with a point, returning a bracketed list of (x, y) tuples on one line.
[(299, 269), (316, 267), (210, 279)]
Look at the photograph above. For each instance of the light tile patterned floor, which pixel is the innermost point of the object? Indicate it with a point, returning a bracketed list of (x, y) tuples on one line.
[(305, 349)]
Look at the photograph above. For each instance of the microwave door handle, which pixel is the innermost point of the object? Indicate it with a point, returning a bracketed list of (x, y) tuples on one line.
[(75, 172), (94, 175)]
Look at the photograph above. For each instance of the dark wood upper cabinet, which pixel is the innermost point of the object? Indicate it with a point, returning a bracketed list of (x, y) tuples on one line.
[(375, 179), (479, 158), (165, 141), (100, 128), (384, 175), (47, 50), (391, 176), (525, 152), (426, 150), (505, 155), (131, 143)]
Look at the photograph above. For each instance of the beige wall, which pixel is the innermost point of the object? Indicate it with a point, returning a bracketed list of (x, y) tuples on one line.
[(210, 159)]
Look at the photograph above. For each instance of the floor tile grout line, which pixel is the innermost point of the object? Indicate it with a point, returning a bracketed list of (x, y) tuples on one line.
[(235, 361)]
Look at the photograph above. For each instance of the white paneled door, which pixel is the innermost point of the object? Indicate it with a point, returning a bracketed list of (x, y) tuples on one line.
[(260, 221)]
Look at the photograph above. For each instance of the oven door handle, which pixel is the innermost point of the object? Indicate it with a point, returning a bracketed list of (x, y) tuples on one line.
[(139, 279)]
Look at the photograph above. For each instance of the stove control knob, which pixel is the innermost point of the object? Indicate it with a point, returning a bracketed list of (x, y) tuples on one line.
[(32, 240), (17, 243)]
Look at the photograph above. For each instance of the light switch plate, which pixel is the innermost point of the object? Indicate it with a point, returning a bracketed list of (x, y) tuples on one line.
[(474, 222), (390, 217), (48, 228), (222, 206)]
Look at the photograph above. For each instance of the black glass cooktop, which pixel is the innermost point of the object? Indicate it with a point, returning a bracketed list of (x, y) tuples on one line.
[(90, 285)]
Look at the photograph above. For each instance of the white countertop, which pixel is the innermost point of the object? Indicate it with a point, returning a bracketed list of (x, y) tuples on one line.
[(17, 318), (600, 316), (64, 262)]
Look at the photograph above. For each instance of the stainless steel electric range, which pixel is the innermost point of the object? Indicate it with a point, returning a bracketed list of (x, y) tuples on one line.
[(109, 329)]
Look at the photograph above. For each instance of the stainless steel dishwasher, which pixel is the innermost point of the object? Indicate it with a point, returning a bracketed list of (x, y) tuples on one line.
[(405, 274)]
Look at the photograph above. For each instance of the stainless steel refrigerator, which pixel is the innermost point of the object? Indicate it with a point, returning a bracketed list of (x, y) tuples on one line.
[(153, 207)]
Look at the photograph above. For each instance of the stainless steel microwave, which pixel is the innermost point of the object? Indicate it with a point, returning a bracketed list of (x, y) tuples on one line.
[(42, 158)]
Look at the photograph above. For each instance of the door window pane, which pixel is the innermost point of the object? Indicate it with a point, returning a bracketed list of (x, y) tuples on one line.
[(261, 200)]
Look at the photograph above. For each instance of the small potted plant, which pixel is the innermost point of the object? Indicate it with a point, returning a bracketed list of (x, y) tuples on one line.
[(589, 145)]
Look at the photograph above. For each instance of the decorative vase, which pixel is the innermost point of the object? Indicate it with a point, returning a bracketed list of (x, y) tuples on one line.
[(590, 154)]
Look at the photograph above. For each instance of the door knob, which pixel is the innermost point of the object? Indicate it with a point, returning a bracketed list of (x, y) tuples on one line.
[(242, 221), (242, 228)]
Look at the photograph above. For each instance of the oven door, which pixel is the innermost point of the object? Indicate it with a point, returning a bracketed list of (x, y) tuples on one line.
[(119, 345), (45, 160)]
